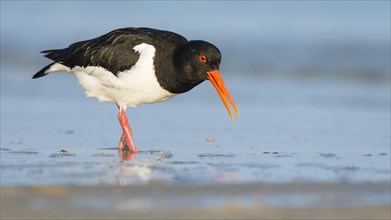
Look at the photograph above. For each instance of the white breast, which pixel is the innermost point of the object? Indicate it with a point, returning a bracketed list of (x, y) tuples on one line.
[(131, 88)]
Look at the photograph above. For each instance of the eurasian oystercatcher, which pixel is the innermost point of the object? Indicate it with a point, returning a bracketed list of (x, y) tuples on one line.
[(133, 66)]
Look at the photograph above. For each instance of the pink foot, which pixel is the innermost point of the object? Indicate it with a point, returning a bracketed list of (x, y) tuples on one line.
[(126, 155)]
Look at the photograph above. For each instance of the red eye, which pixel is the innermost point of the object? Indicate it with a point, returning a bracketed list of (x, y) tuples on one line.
[(203, 59)]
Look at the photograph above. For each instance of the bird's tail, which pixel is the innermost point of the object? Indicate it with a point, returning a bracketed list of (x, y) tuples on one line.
[(43, 72), (53, 67), (49, 53)]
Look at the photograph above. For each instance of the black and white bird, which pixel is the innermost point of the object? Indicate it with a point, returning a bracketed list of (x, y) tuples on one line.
[(133, 66)]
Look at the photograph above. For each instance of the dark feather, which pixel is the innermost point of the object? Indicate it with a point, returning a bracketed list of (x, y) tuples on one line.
[(42, 71), (112, 51)]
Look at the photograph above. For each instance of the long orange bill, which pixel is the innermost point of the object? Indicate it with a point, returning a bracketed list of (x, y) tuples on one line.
[(217, 81)]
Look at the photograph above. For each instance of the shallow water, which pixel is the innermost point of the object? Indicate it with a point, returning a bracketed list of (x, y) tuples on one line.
[(289, 131)]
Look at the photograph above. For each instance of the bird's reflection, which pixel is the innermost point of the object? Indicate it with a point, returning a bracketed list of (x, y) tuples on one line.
[(138, 170), (133, 170), (126, 154)]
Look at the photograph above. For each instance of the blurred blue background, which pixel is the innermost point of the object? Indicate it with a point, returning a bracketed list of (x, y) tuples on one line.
[(301, 39)]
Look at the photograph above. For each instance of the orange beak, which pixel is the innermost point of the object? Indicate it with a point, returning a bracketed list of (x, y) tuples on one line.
[(217, 81)]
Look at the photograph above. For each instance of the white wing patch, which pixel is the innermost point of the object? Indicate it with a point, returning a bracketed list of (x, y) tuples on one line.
[(132, 87), (58, 67)]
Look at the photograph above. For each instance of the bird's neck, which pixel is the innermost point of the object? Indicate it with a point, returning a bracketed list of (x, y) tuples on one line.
[(175, 76)]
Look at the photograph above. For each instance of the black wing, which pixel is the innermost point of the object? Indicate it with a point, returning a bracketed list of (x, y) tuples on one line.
[(112, 51)]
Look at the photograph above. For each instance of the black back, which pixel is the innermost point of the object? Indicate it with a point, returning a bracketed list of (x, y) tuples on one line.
[(114, 50)]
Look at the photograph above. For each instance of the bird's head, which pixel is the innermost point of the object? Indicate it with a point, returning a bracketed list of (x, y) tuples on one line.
[(200, 61)]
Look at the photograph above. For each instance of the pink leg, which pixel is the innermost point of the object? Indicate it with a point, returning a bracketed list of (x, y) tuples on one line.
[(126, 140)]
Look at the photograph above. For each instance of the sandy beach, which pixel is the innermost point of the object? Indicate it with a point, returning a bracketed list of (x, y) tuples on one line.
[(238, 201)]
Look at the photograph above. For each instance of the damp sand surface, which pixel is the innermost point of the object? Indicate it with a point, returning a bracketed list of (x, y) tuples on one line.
[(301, 149), (235, 201)]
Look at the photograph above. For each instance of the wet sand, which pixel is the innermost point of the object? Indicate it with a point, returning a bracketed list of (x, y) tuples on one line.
[(159, 200)]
